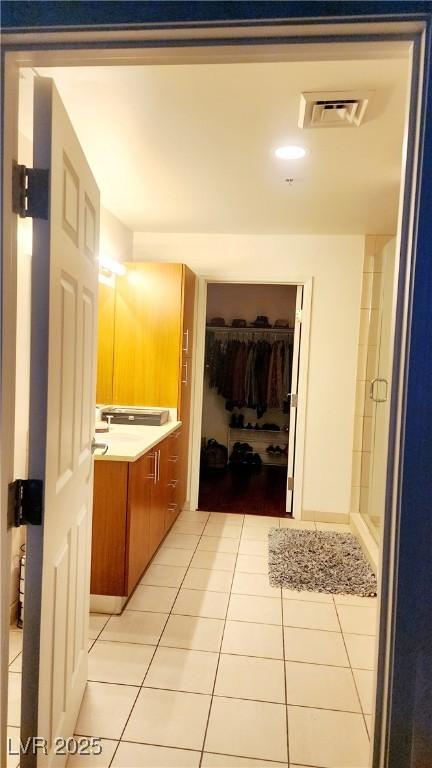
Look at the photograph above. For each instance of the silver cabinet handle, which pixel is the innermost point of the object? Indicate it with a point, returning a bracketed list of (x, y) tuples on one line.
[(186, 346), (155, 475), (152, 475), (158, 466), (372, 396), (99, 447), (185, 380), (174, 459)]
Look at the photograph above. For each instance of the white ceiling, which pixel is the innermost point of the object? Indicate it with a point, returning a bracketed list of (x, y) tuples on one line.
[(189, 148)]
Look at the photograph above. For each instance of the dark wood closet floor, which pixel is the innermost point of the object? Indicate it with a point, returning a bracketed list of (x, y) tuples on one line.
[(262, 492)]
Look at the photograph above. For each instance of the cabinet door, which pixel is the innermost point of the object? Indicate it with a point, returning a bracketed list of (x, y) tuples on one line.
[(189, 280), (109, 528), (147, 335), (105, 345), (161, 493), (157, 512), (138, 519)]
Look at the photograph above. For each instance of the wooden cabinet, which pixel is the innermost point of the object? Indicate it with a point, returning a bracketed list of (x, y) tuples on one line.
[(138, 549), (146, 326), (160, 493), (148, 330), (133, 508), (110, 493), (146, 335)]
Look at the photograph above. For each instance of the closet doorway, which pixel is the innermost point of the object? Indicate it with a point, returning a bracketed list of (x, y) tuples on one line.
[(249, 406)]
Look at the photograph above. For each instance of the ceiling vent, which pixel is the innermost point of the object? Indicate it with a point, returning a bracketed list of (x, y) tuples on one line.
[(333, 109)]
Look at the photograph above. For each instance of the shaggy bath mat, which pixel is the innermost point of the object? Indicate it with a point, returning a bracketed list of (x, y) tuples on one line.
[(319, 562)]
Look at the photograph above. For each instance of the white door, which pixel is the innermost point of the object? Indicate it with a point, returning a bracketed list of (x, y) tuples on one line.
[(293, 399), (62, 407)]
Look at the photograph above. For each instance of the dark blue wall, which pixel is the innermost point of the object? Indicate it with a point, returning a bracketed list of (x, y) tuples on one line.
[(411, 712), (32, 14)]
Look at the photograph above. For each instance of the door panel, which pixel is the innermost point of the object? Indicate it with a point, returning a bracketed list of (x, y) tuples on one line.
[(293, 408), (147, 335), (109, 528), (138, 525), (63, 358)]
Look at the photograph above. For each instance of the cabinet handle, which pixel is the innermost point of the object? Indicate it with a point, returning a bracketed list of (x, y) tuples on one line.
[(174, 459), (173, 483), (173, 506), (186, 346), (158, 466), (152, 475), (155, 476), (185, 380), (372, 390)]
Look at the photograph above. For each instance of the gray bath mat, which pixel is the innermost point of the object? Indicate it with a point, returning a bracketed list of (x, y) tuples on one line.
[(319, 562)]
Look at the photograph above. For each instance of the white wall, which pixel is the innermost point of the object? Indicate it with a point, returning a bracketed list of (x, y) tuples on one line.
[(335, 264), (116, 240)]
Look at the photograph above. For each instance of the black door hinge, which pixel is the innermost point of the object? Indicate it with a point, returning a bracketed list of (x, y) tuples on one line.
[(30, 192), (25, 502)]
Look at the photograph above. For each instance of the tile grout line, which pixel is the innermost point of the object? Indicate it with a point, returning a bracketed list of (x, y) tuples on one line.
[(285, 675), (233, 572), (151, 661), (352, 673), (220, 648)]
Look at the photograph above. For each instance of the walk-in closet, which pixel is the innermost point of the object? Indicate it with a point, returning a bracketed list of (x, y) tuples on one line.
[(248, 368)]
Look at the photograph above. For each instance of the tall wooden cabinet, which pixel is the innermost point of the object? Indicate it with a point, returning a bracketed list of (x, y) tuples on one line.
[(144, 359), (144, 331), (146, 336)]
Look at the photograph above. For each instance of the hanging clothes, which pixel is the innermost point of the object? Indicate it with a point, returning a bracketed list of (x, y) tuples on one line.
[(253, 374)]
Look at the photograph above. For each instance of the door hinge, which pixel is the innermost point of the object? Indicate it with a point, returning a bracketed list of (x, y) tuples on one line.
[(30, 192), (293, 399), (25, 502), (299, 315), (290, 483)]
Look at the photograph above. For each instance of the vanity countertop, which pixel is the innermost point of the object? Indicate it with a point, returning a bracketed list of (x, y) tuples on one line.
[(130, 443)]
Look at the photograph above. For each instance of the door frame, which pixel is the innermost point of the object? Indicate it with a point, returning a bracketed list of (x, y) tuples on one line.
[(199, 365), (408, 478)]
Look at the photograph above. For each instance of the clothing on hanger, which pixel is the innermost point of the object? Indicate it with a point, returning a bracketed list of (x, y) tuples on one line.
[(254, 374)]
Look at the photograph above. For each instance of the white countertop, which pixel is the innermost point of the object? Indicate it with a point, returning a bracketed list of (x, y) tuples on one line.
[(130, 443)]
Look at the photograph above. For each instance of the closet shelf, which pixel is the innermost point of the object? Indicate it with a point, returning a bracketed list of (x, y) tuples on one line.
[(259, 443), (249, 329), (259, 431)]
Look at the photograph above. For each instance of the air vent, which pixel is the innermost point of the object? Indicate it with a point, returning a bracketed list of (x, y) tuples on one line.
[(337, 109)]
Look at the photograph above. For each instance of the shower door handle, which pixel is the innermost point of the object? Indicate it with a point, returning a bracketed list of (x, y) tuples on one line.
[(372, 394)]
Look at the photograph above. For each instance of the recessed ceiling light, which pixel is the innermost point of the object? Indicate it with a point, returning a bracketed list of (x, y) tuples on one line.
[(290, 152)]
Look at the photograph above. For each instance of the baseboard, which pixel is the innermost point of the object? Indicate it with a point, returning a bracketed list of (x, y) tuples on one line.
[(106, 604), (366, 540), (324, 517)]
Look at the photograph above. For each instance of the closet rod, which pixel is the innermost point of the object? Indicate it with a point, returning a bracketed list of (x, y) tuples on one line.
[(235, 329)]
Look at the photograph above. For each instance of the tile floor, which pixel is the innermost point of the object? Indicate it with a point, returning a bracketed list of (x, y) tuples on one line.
[(210, 666)]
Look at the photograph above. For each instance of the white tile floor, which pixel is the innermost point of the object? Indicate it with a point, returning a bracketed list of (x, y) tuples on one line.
[(210, 666)]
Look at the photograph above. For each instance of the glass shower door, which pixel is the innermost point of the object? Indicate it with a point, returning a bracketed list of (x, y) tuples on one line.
[(377, 396)]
